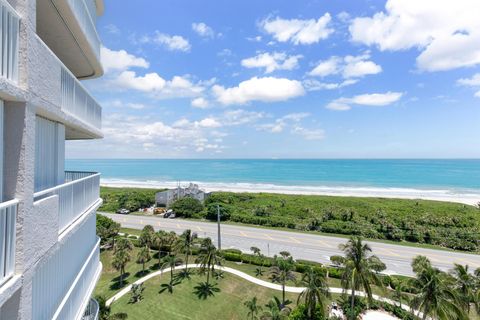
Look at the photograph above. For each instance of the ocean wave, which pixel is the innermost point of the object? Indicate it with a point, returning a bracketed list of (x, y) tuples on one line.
[(462, 196)]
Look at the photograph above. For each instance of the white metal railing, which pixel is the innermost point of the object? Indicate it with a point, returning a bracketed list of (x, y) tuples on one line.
[(82, 287), (9, 31), (77, 101), (91, 312), (58, 274), (82, 10), (76, 175), (8, 216), (74, 198)]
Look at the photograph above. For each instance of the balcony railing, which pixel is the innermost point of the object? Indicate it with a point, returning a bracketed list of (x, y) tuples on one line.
[(82, 287), (8, 216), (9, 30), (83, 11), (91, 313), (77, 101), (74, 197)]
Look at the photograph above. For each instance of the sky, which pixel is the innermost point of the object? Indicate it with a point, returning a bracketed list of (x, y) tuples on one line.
[(288, 79)]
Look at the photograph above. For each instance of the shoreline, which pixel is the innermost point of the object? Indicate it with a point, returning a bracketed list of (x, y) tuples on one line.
[(368, 192)]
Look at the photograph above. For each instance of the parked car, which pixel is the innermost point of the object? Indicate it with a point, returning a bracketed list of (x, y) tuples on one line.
[(169, 214), (123, 211)]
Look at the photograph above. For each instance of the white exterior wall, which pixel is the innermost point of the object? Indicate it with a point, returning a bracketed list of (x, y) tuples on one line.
[(55, 268)]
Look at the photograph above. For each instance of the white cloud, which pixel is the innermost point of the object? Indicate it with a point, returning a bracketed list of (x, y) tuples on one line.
[(172, 43), (272, 61), (267, 89), (120, 60), (309, 134), (147, 83), (347, 67), (240, 117), (315, 85), (112, 29), (200, 103), (474, 81), (298, 31), (371, 99), (203, 30), (446, 32), (209, 123), (153, 83), (121, 104), (281, 123)]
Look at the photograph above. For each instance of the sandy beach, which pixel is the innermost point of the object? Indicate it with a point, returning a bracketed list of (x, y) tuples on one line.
[(398, 193)]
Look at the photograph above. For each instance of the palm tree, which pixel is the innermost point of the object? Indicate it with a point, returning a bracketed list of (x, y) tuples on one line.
[(360, 268), (185, 244), (256, 251), (120, 260), (465, 285), (436, 295), (316, 292), (170, 262), (208, 257), (253, 308), (124, 244), (143, 257), (159, 240), (104, 312), (275, 310), (399, 294), (281, 272), (147, 236)]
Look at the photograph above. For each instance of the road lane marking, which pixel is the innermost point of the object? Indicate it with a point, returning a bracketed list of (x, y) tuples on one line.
[(178, 226), (141, 222), (294, 240), (268, 237), (244, 234), (199, 229)]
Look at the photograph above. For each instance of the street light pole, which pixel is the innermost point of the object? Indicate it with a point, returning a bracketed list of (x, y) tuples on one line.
[(218, 223)]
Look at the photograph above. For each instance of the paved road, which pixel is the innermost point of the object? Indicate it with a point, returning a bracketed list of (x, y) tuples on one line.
[(300, 245)]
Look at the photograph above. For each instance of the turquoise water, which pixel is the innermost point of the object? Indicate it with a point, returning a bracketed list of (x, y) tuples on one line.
[(450, 175)]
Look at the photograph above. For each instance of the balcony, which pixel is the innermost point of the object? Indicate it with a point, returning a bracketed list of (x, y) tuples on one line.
[(80, 192), (78, 102), (9, 30), (8, 216), (64, 281), (68, 28), (91, 313)]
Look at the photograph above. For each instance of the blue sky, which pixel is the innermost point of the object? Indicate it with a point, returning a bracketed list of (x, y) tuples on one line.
[(288, 79)]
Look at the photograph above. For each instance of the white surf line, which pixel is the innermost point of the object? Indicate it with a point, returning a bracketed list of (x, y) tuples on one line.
[(259, 282)]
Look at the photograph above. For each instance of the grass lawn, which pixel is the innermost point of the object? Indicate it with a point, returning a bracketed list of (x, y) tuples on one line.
[(183, 304)]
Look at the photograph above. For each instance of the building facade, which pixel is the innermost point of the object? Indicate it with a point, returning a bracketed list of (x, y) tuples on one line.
[(167, 197), (49, 251)]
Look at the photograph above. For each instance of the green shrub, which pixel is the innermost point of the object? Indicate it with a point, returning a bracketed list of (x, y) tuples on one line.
[(186, 207), (212, 209)]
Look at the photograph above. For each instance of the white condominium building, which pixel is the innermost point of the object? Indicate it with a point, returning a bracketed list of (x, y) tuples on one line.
[(49, 252)]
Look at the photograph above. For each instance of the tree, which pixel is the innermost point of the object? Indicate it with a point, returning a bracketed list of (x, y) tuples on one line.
[(399, 294), (253, 308), (143, 257), (465, 285), (120, 260), (225, 211), (259, 270), (124, 244), (107, 229), (436, 296), (136, 293), (104, 312), (185, 244), (147, 236), (360, 269), (316, 292), (276, 310), (170, 261), (208, 257), (186, 207), (159, 241), (281, 272)]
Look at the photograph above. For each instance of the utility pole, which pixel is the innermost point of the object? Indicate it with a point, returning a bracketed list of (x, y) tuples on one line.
[(218, 223)]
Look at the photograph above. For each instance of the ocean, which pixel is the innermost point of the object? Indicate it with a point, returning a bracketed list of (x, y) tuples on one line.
[(370, 177)]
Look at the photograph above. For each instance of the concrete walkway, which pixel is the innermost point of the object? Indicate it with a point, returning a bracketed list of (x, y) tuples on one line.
[(256, 281)]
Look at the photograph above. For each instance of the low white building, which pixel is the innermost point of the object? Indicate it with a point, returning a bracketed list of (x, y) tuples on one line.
[(167, 197)]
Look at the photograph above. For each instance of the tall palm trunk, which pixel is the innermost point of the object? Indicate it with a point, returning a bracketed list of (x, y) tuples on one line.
[(352, 304), (186, 261)]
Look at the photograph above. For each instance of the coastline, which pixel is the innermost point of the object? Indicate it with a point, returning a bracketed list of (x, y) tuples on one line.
[(468, 198)]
